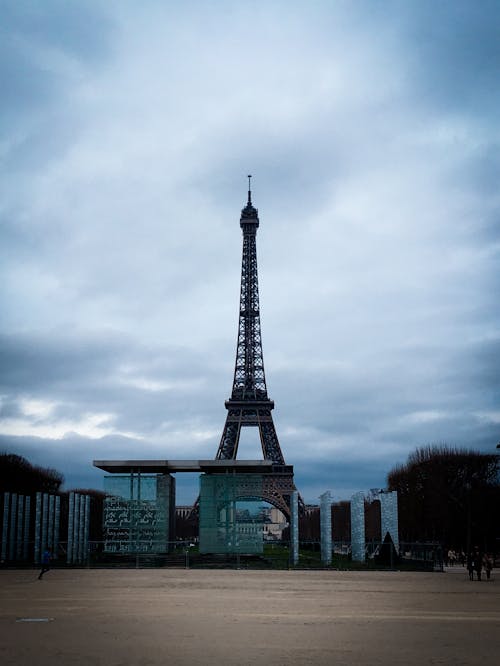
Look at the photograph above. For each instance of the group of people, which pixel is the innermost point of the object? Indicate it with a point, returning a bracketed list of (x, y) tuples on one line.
[(477, 562), (453, 557)]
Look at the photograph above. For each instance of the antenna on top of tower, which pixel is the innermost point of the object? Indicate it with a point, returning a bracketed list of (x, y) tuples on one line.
[(249, 189)]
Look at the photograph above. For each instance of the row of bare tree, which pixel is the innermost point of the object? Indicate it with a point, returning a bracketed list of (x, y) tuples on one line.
[(18, 475), (449, 495)]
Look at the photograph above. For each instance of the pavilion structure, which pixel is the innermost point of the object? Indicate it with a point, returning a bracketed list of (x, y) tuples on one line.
[(139, 510)]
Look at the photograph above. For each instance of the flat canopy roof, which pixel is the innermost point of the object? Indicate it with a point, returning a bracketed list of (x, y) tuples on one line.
[(170, 466)]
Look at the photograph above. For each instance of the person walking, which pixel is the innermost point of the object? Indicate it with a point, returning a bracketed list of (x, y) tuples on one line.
[(470, 566), (478, 563), (487, 565), (45, 563)]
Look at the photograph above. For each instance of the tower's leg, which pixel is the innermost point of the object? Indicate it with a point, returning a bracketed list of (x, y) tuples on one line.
[(230, 436), (261, 418), (269, 439)]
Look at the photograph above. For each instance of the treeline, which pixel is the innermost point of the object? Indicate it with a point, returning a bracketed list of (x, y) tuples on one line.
[(449, 495), (18, 475)]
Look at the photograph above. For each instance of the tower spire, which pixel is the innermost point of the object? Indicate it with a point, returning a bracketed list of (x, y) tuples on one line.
[(249, 213)]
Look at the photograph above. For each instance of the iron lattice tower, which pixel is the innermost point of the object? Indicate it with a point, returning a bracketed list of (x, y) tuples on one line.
[(249, 404)]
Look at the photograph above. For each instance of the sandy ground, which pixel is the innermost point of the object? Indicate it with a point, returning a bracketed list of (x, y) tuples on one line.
[(165, 616)]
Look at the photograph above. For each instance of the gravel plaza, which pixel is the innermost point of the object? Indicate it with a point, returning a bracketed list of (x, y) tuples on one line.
[(145, 617)]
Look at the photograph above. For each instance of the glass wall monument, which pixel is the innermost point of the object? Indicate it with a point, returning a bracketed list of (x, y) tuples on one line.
[(325, 516), (78, 528), (358, 527), (389, 516), (222, 527), (138, 512)]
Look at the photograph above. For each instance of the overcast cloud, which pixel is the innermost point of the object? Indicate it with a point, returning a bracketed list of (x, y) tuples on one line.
[(127, 130)]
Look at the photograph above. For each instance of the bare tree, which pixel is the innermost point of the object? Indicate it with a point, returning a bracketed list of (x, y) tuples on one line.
[(18, 475), (449, 495)]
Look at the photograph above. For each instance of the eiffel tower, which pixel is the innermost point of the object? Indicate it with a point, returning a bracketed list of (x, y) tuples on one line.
[(249, 404)]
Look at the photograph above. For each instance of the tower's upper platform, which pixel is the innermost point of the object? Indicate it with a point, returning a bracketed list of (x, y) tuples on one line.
[(249, 214)]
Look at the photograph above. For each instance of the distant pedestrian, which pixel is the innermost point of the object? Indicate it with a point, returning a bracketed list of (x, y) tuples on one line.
[(45, 563), (487, 565), (470, 566), (478, 563)]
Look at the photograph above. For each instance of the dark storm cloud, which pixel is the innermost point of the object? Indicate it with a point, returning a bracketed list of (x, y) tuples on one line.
[(76, 28), (32, 362), (457, 49), (111, 395), (22, 83), (342, 478), (110, 366), (27, 30), (9, 408), (44, 49), (483, 372), (72, 456)]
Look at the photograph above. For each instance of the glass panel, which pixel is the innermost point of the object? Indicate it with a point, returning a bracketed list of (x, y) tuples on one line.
[(136, 514), (389, 516), (224, 528), (358, 527), (325, 517)]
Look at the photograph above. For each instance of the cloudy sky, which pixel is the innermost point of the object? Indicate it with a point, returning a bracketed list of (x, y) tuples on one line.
[(126, 133)]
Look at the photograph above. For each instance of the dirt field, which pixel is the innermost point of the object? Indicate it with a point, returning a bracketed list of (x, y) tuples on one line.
[(286, 618)]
